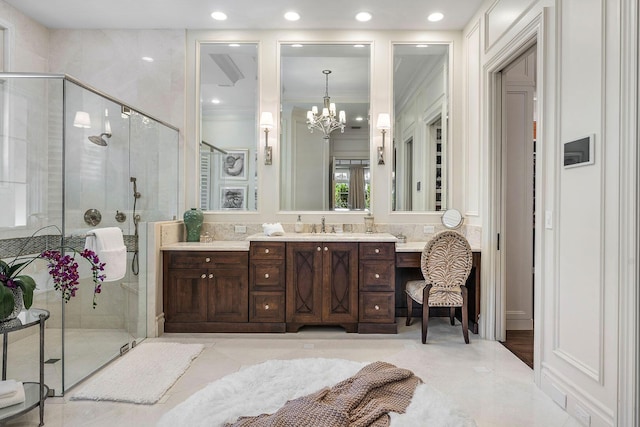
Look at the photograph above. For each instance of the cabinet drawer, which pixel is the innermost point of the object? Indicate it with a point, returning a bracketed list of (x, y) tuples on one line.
[(205, 259), (266, 307), (267, 276), (377, 275), (408, 259), (267, 250), (377, 307), (377, 250)]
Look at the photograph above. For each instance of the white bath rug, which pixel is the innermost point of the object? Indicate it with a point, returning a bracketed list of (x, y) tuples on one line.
[(264, 388), (143, 375)]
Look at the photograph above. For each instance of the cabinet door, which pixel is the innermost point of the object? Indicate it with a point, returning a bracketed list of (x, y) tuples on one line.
[(228, 295), (186, 295), (340, 282), (304, 283)]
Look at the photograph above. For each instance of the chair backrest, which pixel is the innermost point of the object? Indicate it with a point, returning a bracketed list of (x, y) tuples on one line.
[(446, 260)]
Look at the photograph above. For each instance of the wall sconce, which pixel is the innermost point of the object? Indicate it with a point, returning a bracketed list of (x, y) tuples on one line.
[(82, 120), (266, 123), (384, 124)]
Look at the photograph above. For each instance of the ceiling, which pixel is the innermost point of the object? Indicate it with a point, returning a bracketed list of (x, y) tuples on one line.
[(247, 14)]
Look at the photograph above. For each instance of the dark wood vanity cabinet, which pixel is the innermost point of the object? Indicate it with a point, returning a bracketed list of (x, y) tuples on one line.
[(377, 288), (322, 284), (205, 291), (267, 283)]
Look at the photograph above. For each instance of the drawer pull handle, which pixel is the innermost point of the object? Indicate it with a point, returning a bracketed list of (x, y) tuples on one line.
[(204, 276), (377, 307), (210, 276), (266, 306), (207, 259), (319, 249), (377, 251), (377, 276), (326, 249), (266, 275), (266, 251)]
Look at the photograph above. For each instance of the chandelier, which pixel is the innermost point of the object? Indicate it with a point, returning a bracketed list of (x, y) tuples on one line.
[(326, 121)]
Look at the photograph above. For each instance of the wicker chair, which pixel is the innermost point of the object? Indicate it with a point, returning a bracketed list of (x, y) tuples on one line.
[(446, 264)]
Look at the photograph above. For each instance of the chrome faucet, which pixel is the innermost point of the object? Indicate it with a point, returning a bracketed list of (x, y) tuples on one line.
[(323, 230)]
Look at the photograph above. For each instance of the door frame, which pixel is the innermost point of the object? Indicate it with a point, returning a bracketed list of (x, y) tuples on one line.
[(493, 263)]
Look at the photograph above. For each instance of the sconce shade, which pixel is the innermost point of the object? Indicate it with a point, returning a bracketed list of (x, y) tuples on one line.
[(384, 122), (82, 120), (266, 120)]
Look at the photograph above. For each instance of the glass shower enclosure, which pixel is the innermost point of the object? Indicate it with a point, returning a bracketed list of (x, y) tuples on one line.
[(78, 159)]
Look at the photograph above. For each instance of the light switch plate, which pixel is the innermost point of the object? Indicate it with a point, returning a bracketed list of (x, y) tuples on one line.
[(240, 228), (548, 220)]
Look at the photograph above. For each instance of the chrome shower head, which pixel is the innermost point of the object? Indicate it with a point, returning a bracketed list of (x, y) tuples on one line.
[(99, 140)]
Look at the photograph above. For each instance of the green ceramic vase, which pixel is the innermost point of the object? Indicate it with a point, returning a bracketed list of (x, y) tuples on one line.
[(193, 221)]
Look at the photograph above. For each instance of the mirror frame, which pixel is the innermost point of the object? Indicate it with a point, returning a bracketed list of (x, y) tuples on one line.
[(446, 191), (370, 152)]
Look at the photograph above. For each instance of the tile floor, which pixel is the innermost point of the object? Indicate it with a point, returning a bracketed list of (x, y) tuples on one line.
[(484, 378)]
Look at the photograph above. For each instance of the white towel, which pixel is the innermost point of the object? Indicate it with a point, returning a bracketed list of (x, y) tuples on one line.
[(274, 229), (18, 397), (108, 244), (8, 388)]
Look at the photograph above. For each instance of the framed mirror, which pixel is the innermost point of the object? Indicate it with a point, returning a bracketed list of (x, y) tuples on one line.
[(228, 126), (420, 131), (325, 158)]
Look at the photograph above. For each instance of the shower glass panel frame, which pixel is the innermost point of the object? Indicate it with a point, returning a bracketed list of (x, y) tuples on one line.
[(62, 169)]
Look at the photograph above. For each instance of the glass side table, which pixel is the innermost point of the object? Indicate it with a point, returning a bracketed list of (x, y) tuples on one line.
[(35, 393)]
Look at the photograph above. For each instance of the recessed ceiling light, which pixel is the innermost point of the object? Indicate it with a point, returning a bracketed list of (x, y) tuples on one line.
[(215, 101), (422, 45), (359, 119), (363, 16), (435, 17), (296, 45), (358, 45), (219, 16), (234, 45), (292, 16), (147, 59)]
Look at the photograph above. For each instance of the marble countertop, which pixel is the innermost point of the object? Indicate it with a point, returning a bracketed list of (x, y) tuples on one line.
[(243, 245), (218, 245)]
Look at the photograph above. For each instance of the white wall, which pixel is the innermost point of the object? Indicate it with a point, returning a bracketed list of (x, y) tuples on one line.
[(585, 259)]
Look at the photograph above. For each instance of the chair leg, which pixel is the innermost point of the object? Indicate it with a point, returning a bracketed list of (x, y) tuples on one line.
[(452, 315), (425, 312), (409, 309), (465, 315)]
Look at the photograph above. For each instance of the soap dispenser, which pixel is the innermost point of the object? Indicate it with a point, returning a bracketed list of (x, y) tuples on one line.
[(299, 226)]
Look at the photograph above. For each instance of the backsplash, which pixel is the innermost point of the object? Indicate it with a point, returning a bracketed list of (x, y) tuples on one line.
[(175, 231)]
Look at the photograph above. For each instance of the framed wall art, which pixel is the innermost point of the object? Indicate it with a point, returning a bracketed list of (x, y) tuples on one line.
[(233, 165), (233, 197)]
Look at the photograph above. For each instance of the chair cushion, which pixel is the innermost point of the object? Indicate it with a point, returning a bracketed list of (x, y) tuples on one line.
[(452, 297)]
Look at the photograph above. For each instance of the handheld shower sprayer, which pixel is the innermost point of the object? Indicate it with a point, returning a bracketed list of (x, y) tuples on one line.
[(136, 195)]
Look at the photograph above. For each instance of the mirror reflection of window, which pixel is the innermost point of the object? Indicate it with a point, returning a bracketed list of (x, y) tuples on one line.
[(420, 106), (307, 176), (351, 184), (228, 125)]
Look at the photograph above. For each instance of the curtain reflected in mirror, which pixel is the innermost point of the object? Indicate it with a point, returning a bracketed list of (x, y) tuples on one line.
[(420, 103), (324, 169), (228, 126)]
